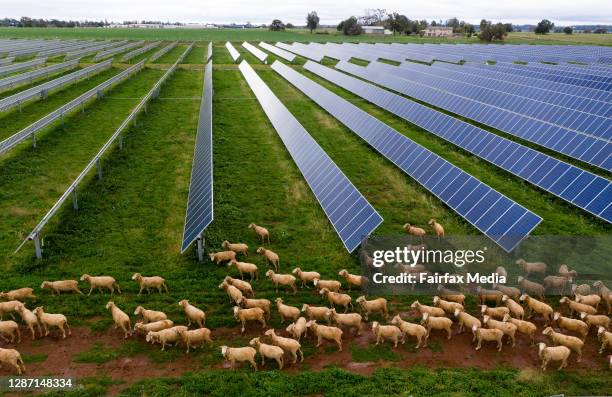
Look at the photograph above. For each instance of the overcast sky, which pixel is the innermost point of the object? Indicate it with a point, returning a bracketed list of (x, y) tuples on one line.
[(561, 12)]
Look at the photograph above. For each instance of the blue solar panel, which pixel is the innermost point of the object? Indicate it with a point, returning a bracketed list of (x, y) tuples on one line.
[(200, 201), (511, 156), (352, 216), (457, 189)]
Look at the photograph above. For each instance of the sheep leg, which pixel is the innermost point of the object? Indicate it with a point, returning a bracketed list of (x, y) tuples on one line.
[(479, 345), (499, 345), (253, 364), (4, 339), (17, 366), (563, 364), (18, 335), (339, 342), (90, 289), (32, 331), (318, 340), (166, 288), (46, 329), (61, 327), (280, 362), (78, 290), (545, 363), (39, 329), (263, 323), (301, 355)]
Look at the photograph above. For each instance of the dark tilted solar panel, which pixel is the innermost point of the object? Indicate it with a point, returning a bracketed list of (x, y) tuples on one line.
[(200, 201), (279, 52), (498, 217), (352, 216), (572, 184)]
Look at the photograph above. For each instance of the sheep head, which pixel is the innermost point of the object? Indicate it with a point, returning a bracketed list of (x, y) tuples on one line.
[(138, 310), (269, 273), (254, 342), (436, 299), (278, 300), (375, 326), (261, 250), (324, 291), (39, 311), (110, 305), (600, 331), (431, 222), (563, 300), (305, 307), (343, 273), (45, 284), (506, 318), (252, 226), (583, 315), (136, 276), (297, 270), (270, 332), (396, 320), (556, 316), (85, 277), (183, 303), (225, 244), (547, 331), (224, 350), (541, 347), (415, 304), (456, 312)]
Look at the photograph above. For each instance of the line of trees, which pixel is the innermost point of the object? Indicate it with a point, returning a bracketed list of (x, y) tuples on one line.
[(26, 22)]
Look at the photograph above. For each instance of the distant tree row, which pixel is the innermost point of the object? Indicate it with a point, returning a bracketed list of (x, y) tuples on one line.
[(26, 22)]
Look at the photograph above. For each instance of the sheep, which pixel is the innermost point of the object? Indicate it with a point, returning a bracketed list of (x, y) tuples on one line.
[(10, 328), (283, 279), (331, 285), (149, 316), (8, 308), (20, 294), (13, 358), (501, 272), (165, 336), (438, 323), (438, 229), (352, 279), (244, 286), (344, 319), (120, 318), (99, 282), (448, 307), (450, 295), (263, 304), (556, 282), (368, 307), (336, 298), (240, 354), (571, 342), (297, 328), (238, 248), (268, 351), (522, 326), (414, 231), (270, 257), (556, 353), (252, 314), (383, 332), (531, 267), (571, 324), (410, 329), (487, 335), (245, 267), (150, 282), (511, 292), (564, 271), (286, 311), (537, 306), (195, 337), (194, 315), (605, 338), (507, 328), (287, 344), (57, 287), (515, 309), (261, 232), (531, 288), (494, 312), (315, 312), (325, 332), (233, 293), (155, 326), (305, 277), (582, 289), (414, 268), (222, 256), (433, 311), (488, 295), (598, 320), (591, 300), (574, 306), (52, 320), (29, 318), (466, 320), (605, 293)]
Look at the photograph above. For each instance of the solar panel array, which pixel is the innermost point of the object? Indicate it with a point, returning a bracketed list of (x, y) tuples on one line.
[(27, 77), (42, 89), (16, 67), (117, 50), (232, 51), (199, 212), (279, 52), (496, 216), (94, 49), (6, 61), (259, 54), (581, 188), (139, 51), (302, 50), (352, 216), (209, 53), (158, 54)]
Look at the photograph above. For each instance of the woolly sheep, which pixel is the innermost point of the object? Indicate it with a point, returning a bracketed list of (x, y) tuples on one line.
[(222, 256), (120, 318), (383, 332), (557, 283), (488, 335), (437, 323), (336, 298), (352, 279), (571, 342), (574, 306), (149, 316), (244, 286), (433, 311), (524, 327), (448, 307), (297, 328), (350, 320), (286, 311), (488, 295), (52, 320), (315, 312), (194, 315), (438, 229), (245, 267), (286, 280), (154, 326), (99, 282), (305, 277), (331, 285), (270, 256), (556, 353), (605, 293), (325, 332), (571, 324), (531, 267), (494, 312), (531, 287), (501, 271), (507, 328), (582, 289), (166, 336), (605, 338), (253, 314), (30, 319), (195, 337), (57, 287), (591, 300), (12, 358), (238, 248), (536, 306), (268, 351), (9, 308), (410, 329), (239, 354), (20, 294), (150, 282), (369, 307), (11, 329), (595, 320), (263, 304), (466, 320), (233, 293), (511, 292), (450, 295), (261, 232), (515, 309), (564, 271), (414, 231), (289, 345)]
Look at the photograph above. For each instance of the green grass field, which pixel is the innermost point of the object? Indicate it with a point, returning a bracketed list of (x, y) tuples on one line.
[(132, 221)]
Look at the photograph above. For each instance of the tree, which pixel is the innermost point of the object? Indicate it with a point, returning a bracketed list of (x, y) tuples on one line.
[(490, 31), (351, 27), (373, 16), (509, 27), (454, 23), (544, 26), (289, 25), (568, 30), (340, 26), (396, 22), (312, 21), (277, 25)]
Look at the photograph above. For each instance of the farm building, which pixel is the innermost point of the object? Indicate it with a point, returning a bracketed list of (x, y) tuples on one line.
[(437, 31)]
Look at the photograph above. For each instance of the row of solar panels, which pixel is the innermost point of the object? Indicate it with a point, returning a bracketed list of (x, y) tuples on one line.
[(158, 54), (116, 50), (139, 51), (15, 80), (16, 67)]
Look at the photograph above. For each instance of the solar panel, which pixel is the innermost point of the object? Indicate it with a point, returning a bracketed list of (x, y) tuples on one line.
[(209, 53), (572, 184), (92, 50), (27, 77), (279, 52), (117, 50), (158, 54), (496, 216), (592, 150), (6, 61), (15, 67), (233, 52), (259, 54), (303, 50), (139, 51), (199, 212), (351, 215)]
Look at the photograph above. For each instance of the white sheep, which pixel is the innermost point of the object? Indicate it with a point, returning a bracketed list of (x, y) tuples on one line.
[(556, 353), (253, 314), (353, 280), (150, 282), (244, 286), (195, 337), (194, 315), (52, 320), (489, 295), (238, 248), (155, 326), (166, 336), (286, 280), (30, 319), (297, 328), (531, 287), (261, 232), (239, 354), (595, 320), (99, 282), (286, 311), (536, 306), (450, 295), (574, 306), (332, 285), (488, 335), (289, 345), (571, 324), (494, 312), (222, 256), (558, 283), (120, 318), (438, 229), (501, 272), (507, 328), (335, 298), (573, 343), (515, 308), (466, 321), (369, 307), (447, 306), (11, 329), (383, 332), (524, 327), (591, 300), (531, 267), (414, 231), (234, 294), (410, 329), (315, 312), (20, 294), (9, 308), (245, 267), (13, 358), (605, 338), (350, 320), (432, 311), (149, 316), (582, 289), (605, 293), (268, 351), (511, 292), (263, 304), (564, 271), (270, 257), (325, 332), (305, 277), (57, 287), (436, 323)]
